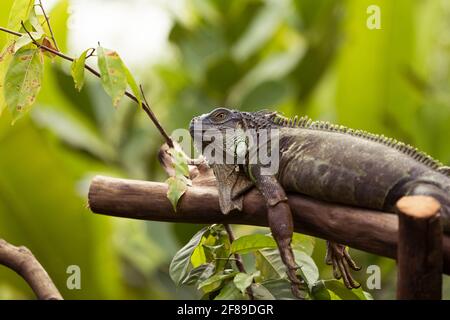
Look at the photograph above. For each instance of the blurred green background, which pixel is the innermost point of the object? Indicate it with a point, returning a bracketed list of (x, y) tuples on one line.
[(315, 57)]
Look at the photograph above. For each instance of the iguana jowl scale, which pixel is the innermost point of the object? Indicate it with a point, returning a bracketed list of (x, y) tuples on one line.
[(324, 161)]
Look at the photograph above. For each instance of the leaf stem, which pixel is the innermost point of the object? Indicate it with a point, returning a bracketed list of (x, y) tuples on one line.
[(238, 258), (48, 24), (30, 35)]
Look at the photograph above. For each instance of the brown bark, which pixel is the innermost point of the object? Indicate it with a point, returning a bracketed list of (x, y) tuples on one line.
[(419, 253), (22, 261), (367, 230)]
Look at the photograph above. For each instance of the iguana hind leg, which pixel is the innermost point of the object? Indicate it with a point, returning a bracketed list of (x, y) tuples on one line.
[(338, 256), (280, 223)]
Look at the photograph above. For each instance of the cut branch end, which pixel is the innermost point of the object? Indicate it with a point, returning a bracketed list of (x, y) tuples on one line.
[(419, 207)]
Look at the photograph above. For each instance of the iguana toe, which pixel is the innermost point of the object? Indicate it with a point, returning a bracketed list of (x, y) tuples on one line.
[(338, 256)]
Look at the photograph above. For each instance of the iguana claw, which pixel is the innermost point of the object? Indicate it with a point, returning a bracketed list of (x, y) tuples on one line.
[(296, 284), (338, 256)]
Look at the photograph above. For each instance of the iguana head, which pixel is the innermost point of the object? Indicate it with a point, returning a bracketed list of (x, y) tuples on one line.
[(226, 127), (217, 128), (219, 119), (228, 130), (223, 119)]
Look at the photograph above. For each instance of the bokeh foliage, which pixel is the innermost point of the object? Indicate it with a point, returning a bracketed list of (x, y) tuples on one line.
[(296, 56)]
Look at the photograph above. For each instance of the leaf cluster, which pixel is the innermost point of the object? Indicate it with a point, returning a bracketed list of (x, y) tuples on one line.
[(206, 262)]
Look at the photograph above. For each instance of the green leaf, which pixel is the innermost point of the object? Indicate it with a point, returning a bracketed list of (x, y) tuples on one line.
[(244, 280), (268, 262), (26, 40), (22, 42), (198, 256), (23, 81), (320, 292), (307, 267), (260, 292), (251, 243), (113, 74), (338, 288), (77, 70), (176, 188), (133, 85), (281, 289), (20, 11), (178, 183), (229, 292), (179, 163), (303, 243), (334, 289), (6, 56), (199, 274), (34, 21), (181, 262), (213, 283)]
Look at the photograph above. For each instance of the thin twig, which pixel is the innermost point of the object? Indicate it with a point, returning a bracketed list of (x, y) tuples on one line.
[(152, 116), (18, 34), (48, 24), (145, 105), (227, 259), (90, 53), (22, 261), (238, 258), (30, 35)]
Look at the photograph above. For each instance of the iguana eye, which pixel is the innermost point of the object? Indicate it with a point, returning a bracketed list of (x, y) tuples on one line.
[(219, 116)]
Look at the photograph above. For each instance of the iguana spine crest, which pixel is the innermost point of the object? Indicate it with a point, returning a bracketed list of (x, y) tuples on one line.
[(307, 123)]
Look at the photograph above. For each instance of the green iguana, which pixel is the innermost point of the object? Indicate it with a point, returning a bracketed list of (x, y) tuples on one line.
[(325, 161)]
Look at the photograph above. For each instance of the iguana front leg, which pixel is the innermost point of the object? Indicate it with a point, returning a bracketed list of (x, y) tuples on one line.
[(280, 221), (338, 256)]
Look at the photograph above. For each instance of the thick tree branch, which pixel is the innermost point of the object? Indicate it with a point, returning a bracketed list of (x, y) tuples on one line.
[(22, 261), (367, 230)]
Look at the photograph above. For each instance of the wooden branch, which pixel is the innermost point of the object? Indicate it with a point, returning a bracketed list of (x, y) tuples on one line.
[(22, 261), (419, 253), (367, 230)]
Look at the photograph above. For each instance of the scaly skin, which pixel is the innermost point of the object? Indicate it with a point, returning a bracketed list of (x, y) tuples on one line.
[(344, 169), (329, 163)]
